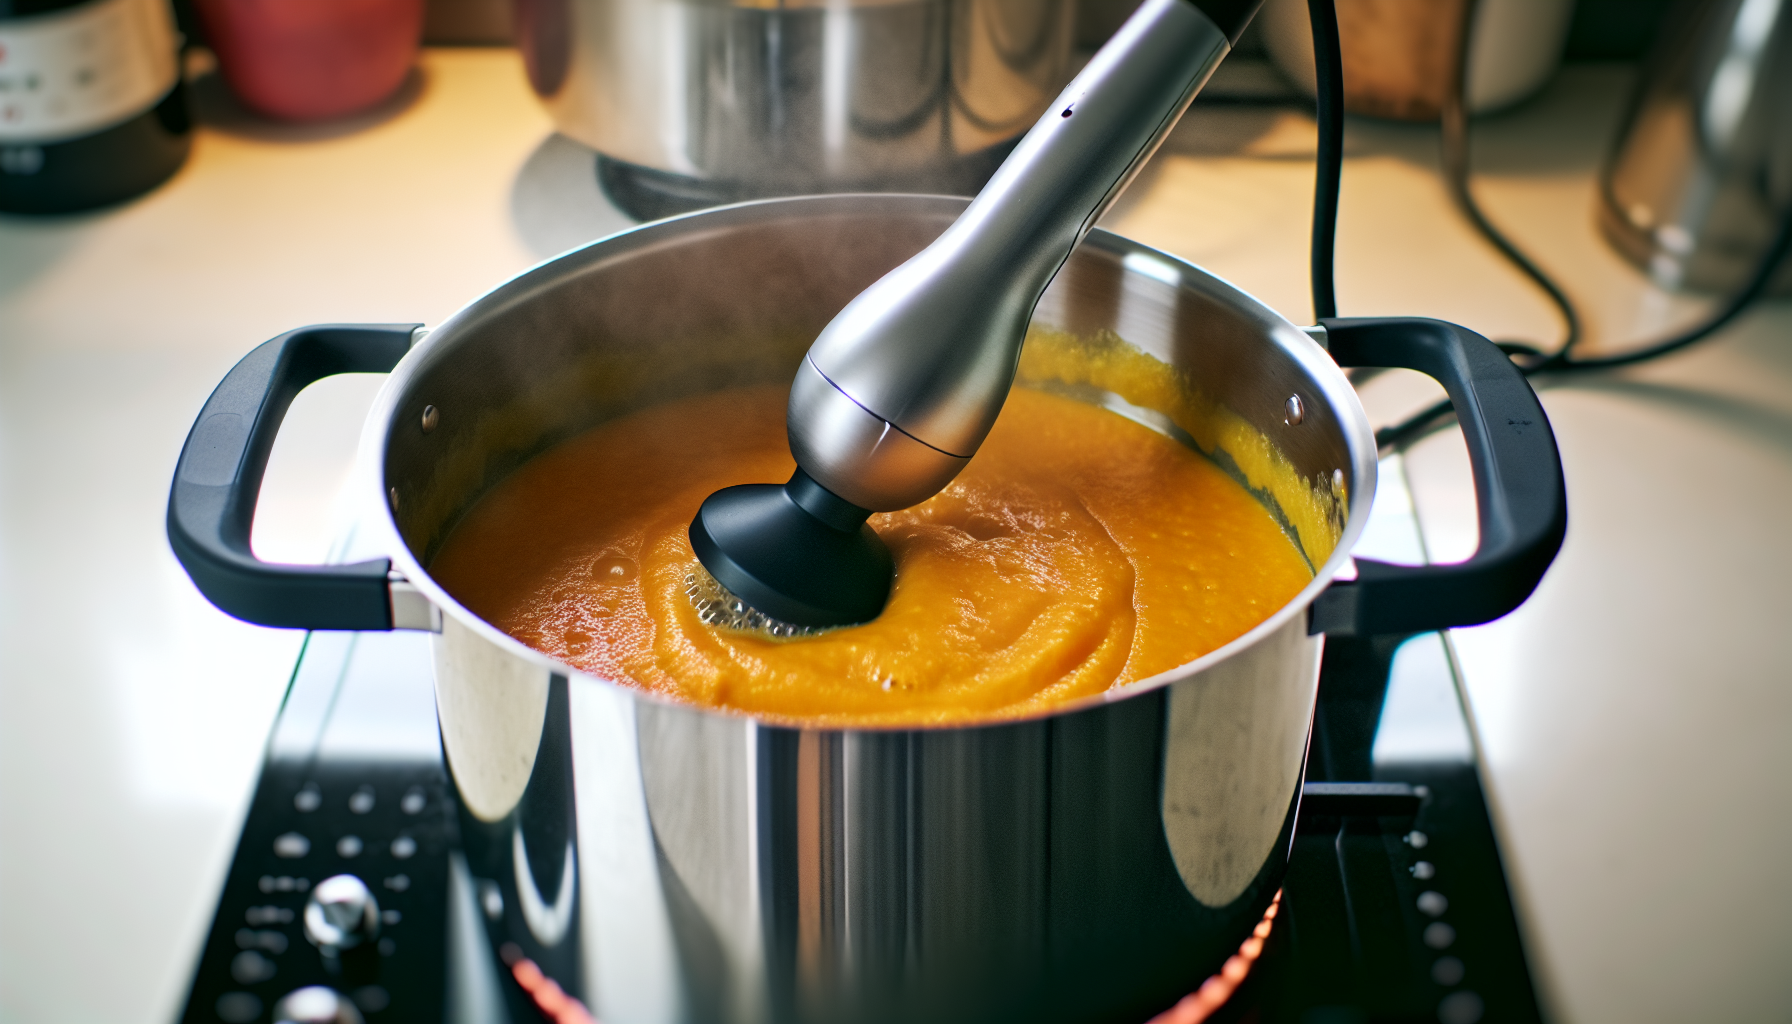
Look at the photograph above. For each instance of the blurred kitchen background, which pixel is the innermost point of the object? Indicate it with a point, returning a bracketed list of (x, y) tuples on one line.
[(1633, 721)]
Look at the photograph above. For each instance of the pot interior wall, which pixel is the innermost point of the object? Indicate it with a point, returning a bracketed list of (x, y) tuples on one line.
[(736, 296)]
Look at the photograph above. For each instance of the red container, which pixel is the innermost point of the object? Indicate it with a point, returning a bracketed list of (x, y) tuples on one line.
[(305, 60)]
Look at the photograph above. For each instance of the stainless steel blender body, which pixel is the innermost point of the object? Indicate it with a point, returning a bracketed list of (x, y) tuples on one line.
[(682, 864), (902, 386), (798, 96)]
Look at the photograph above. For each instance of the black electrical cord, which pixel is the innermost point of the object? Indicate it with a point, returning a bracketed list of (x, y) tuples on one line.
[(1454, 131), (1328, 75), (1456, 174)]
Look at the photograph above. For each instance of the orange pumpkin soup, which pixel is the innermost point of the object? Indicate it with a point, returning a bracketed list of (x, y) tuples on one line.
[(1079, 551)]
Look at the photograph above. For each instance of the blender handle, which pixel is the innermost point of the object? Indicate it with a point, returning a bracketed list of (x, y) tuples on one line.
[(218, 479), (1520, 496)]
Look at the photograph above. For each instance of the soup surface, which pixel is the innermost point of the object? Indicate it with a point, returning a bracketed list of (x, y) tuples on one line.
[(1077, 552)]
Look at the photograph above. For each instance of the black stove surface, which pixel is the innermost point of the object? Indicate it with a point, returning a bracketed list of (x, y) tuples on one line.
[(1395, 906), (1402, 916)]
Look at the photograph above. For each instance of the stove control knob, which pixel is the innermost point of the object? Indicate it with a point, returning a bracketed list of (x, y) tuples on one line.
[(316, 1005), (341, 914)]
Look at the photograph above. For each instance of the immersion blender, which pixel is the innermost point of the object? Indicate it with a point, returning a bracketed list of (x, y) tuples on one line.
[(900, 388)]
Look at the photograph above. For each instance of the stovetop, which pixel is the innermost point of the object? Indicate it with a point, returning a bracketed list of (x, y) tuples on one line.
[(1395, 907)]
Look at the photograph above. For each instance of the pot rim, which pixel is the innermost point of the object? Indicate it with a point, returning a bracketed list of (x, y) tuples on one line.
[(1333, 385)]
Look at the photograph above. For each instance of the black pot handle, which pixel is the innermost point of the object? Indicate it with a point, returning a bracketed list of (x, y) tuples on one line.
[(218, 480), (1519, 492)]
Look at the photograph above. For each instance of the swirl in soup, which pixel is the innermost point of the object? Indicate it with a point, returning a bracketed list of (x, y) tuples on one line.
[(1078, 551)]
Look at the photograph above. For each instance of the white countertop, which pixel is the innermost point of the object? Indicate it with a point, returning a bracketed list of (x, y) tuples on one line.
[(1635, 718)]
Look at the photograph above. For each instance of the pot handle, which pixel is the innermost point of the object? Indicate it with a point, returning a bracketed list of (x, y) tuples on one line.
[(1520, 495), (218, 479)]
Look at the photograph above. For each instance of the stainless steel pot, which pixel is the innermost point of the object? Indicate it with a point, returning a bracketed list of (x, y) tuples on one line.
[(665, 863), (716, 100), (1699, 182)]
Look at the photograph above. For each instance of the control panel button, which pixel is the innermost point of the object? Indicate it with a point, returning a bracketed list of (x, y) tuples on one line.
[(361, 801), (1461, 1008), (403, 848), (341, 913), (349, 846), (413, 800), (272, 941), (372, 998), (316, 1005), (1447, 971), (251, 968), (258, 916), (291, 846), (238, 1007), (491, 899), (308, 799)]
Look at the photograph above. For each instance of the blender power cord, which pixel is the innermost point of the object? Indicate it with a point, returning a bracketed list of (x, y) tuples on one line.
[(1328, 77), (1532, 360)]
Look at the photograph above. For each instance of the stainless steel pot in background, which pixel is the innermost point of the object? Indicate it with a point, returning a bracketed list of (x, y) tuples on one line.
[(1701, 175), (668, 863), (693, 104)]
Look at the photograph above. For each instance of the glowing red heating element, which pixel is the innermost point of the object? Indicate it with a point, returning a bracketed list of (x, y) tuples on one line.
[(1200, 1004), (1194, 1008), (550, 998)]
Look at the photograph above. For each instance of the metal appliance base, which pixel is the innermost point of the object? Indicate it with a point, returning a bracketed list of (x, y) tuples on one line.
[(646, 193)]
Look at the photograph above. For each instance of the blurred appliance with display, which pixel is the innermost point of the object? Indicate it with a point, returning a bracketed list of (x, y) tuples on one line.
[(1702, 171), (692, 105), (91, 106)]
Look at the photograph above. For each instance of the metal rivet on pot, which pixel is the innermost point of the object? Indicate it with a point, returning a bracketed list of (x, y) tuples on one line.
[(392, 492), (1294, 411), (430, 418)]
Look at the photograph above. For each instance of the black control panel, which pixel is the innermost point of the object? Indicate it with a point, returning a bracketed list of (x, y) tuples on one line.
[(390, 825), (337, 904)]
